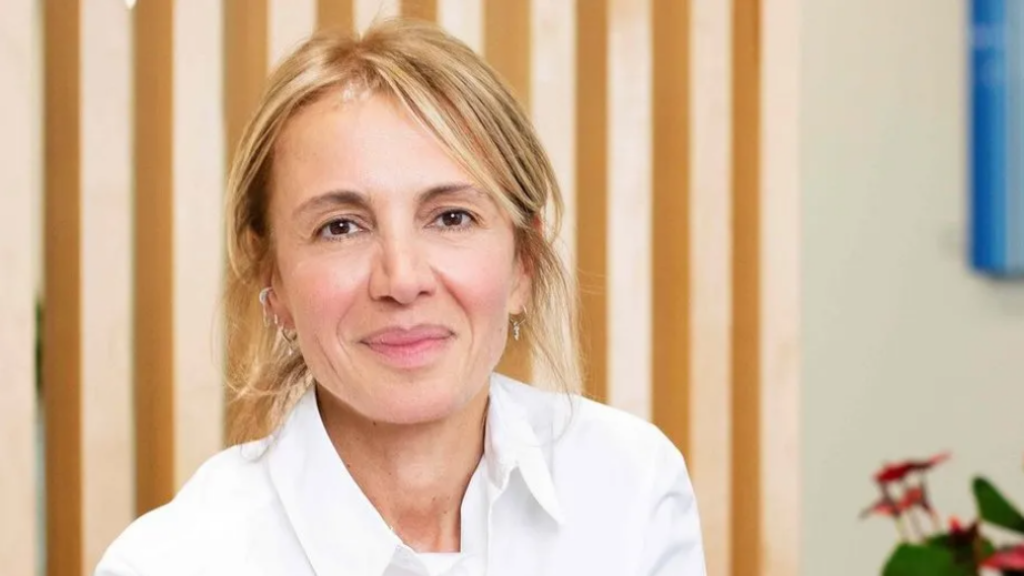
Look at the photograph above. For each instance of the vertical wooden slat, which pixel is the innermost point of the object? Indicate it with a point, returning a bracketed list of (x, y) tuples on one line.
[(747, 519), (245, 68), (592, 191), (198, 173), (335, 15), (779, 253), (629, 206), (709, 259), (553, 86), (420, 9), (368, 11), (62, 327), (245, 71), (106, 281), (507, 48), (289, 23), (18, 159), (154, 274), (87, 284), (672, 273), (507, 43), (86, 287), (464, 19)]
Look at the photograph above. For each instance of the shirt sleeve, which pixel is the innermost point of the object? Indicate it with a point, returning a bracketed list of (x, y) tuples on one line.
[(673, 545)]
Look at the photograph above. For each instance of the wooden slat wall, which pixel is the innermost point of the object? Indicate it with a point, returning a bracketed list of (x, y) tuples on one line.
[(198, 171), (154, 270), (366, 11), (464, 19), (779, 254), (746, 304), (419, 9), (18, 157), (289, 22), (179, 181), (335, 15), (553, 102), (670, 249), (592, 192), (61, 295), (708, 426), (87, 292), (630, 198), (106, 282), (673, 129)]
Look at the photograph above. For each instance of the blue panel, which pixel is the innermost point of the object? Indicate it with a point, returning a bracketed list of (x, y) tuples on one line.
[(988, 136), (1015, 138)]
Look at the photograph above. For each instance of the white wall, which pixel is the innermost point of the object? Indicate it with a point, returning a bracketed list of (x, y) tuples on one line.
[(906, 351)]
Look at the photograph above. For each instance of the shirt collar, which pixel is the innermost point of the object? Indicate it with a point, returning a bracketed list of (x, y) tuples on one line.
[(512, 443), (338, 527)]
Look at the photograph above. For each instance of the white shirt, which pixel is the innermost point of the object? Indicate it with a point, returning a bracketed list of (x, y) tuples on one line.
[(566, 486)]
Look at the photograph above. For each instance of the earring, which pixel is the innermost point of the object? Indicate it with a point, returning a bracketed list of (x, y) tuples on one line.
[(516, 323)]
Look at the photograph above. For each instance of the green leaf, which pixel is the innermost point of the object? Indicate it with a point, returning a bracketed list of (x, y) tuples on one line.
[(917, 560), (994, 508)]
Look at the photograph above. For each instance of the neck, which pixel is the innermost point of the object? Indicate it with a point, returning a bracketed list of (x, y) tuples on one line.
[(414, 475)]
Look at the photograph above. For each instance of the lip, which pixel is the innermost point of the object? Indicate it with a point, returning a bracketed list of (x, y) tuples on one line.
[(411, 347)]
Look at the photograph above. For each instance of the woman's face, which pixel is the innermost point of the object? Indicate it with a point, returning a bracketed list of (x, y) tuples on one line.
[(396, 271)]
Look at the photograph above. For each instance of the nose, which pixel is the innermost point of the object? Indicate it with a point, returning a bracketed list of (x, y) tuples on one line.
[(401, 271)]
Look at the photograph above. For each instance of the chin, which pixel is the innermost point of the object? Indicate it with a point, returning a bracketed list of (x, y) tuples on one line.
[(417, 403)]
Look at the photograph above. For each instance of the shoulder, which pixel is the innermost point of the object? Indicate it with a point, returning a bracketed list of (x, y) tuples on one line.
[(591, 435), (225, 499)]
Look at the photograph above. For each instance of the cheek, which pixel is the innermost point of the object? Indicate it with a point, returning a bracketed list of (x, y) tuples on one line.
[(481, 281), (324, 288)]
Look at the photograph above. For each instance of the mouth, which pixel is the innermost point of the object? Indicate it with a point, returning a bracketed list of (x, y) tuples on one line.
[(409, 348)]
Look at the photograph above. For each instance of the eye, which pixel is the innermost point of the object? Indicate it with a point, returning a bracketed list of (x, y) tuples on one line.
[(339, 228), (454, 219)]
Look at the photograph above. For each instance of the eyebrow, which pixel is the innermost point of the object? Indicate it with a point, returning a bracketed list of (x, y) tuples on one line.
[(359, 200)]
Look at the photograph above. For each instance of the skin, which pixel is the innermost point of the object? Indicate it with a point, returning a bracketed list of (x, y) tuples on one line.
[(399, 277)]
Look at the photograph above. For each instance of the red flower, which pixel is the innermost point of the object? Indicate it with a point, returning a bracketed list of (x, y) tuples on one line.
[(1008, 559), (914, 497), (896, 472), (884, 507)]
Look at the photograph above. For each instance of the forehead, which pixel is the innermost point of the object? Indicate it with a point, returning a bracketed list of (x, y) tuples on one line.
[(370, 143)]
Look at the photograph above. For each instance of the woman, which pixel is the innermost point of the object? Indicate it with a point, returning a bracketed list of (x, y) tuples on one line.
[(389, 222)]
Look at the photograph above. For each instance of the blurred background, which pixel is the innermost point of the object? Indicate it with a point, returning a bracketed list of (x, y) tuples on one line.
[(769, 221)]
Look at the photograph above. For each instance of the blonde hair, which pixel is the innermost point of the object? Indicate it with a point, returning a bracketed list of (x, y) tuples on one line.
[(454, 94)]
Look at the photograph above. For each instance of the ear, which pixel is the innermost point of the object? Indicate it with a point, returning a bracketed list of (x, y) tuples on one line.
[(522, 285)]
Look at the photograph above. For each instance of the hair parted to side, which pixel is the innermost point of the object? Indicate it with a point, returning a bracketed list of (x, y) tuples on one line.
[(455, 95)]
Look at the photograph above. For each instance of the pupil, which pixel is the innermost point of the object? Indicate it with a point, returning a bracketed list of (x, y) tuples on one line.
[(339, 228), (452, 218)]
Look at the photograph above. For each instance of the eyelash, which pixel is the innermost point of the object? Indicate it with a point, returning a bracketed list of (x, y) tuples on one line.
[(470, 220)]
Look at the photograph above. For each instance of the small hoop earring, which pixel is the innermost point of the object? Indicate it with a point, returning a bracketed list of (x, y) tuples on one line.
[(270, 318)]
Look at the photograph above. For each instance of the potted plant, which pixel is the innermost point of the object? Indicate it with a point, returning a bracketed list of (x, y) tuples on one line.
[(930, 548)]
